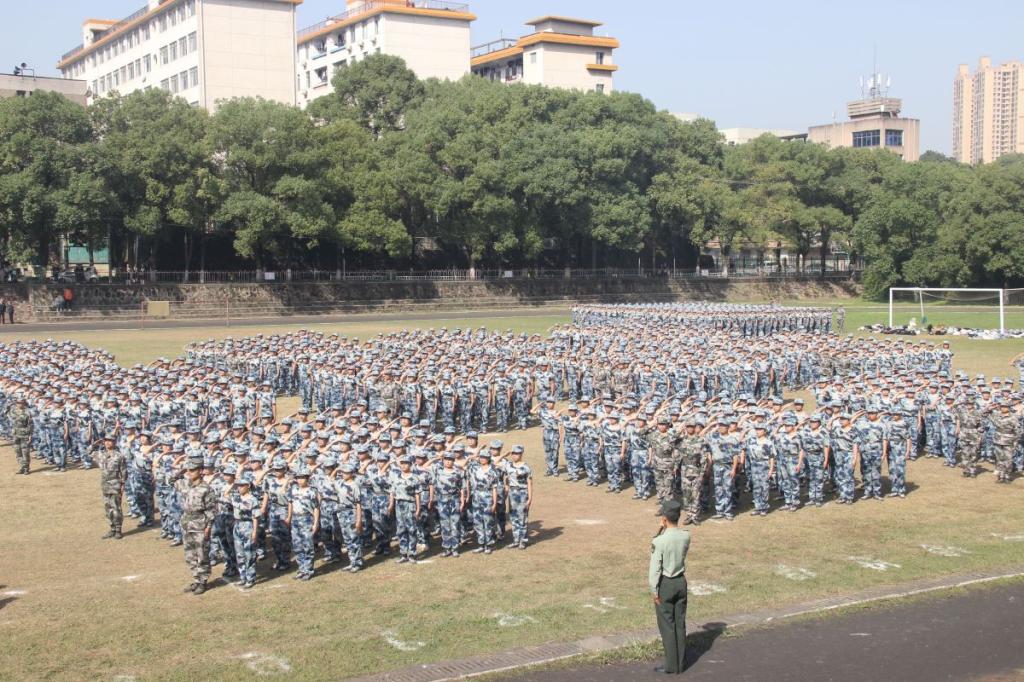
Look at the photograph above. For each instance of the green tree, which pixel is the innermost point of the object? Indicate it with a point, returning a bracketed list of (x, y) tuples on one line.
[(45, 183), (152, 156), (375, 92)]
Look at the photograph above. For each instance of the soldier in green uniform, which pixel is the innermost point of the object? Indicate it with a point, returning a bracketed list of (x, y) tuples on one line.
[(662, 440), (666, 578), (21, 429), (198, 507), (113, 474)]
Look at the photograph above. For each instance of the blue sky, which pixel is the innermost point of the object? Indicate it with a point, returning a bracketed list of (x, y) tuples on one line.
[(782, 64)]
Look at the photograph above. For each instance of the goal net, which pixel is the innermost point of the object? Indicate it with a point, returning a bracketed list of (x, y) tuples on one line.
[(986, 310)]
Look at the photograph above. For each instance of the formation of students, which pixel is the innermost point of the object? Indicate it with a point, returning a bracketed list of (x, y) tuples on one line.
[(385, 453)]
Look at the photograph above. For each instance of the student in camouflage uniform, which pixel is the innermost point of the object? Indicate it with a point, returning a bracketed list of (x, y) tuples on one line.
[(844, 450), (897, 450), (690, 463), (789, 463), (483, 488), (21, 428), (968, 435), (449, 493), (662, 441), (350, 514), (113, 474), (303, 518), (519, 487), (405, 504), (814, 443), (724, 459), (245, 509), (760, 454), (871, 443), (1007, 432), (198, 507)]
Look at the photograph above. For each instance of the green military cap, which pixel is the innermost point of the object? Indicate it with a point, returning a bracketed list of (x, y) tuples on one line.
[(669, 507)]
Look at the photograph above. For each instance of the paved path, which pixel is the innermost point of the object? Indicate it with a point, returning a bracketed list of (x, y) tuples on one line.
[(977, 635), (287, 320)]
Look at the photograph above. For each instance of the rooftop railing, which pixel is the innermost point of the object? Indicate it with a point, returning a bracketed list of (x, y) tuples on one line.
[(110, 29), (493, 46), (370, 5)]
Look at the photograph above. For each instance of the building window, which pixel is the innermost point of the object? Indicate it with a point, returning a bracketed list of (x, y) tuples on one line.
[(533, 57), (600, 88), (193, 42), (867, 138), (183, 46), (165, 85), (340, 39), (191, 7), (145, 32), (172, 51), (146, 62), (163, 54), (194, 74), (599, 58), (131, 71), (893, 138), (174, 83), (172, 17)]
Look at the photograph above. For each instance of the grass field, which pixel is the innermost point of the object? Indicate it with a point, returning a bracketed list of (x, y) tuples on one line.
[(73, 606)]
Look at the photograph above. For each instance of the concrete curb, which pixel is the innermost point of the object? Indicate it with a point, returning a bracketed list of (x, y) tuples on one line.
[(540, 654)]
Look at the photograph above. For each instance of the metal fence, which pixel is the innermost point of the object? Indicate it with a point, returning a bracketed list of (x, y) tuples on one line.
[(736, 269)]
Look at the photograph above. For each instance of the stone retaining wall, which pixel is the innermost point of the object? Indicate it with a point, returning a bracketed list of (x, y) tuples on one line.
[(124, 300)]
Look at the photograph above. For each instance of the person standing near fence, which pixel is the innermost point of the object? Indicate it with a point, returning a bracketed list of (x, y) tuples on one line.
[(666, 578)]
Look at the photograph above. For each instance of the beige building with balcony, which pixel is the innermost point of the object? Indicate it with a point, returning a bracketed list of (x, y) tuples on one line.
[(200, 50), (988, 111), (560, 52), (874, 122), (432, 36), (21, 85)]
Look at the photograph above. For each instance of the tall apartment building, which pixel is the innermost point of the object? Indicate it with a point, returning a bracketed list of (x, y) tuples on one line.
[(560, 52), (202, 50), (988, 111), (432, 36)]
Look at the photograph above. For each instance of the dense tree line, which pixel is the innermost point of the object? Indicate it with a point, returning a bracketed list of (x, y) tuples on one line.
[(389, 171)]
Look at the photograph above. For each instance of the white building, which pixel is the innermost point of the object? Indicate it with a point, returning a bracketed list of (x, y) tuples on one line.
[(432, 36), (201, 50), (561, 52)]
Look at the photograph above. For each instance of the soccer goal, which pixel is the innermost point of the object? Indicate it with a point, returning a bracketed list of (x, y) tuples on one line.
[(923, 307)]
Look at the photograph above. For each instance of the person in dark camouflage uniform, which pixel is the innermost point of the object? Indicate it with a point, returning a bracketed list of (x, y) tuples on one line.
[(969, 427), (198, 507), (113, 475), (662, 441), (1007, 429), (689, 451), (21, 429)]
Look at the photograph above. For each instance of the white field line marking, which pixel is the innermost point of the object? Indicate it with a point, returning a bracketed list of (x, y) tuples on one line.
[(15, 593), (1016, 537), (705, 589), (507, 620), (391, 637), (794, 573), (130, 578), (943, 550), (265, 664), (873, 564), (590, 522)]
